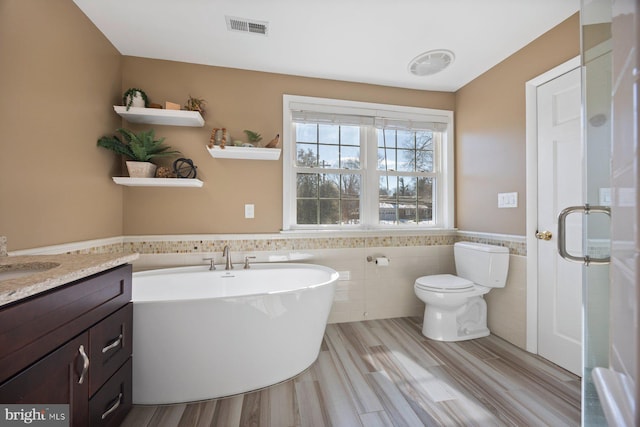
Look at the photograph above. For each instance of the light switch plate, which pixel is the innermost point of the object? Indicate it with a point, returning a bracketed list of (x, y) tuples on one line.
[(249, 211), (508, 200)]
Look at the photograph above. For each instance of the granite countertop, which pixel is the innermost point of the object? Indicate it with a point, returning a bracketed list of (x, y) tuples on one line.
[(57, 270)]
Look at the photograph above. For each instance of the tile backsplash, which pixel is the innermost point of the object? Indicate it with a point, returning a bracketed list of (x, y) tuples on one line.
[(365, 290), (276, 242), (208, 243)]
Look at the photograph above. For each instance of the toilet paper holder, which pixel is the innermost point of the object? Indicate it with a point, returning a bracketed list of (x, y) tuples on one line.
[(378, 260)]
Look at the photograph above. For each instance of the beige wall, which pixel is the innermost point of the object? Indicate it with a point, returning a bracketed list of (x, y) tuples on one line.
[(58, 77), (490, 132), (237, 100), (71, 75)]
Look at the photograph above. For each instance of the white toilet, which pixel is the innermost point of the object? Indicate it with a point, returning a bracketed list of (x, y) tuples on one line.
[(454, 307)]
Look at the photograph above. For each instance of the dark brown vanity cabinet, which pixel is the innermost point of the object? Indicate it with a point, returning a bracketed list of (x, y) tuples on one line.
[(71, 345)]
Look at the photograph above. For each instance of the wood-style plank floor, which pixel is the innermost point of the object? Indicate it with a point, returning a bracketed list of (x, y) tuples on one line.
[(385, 373)]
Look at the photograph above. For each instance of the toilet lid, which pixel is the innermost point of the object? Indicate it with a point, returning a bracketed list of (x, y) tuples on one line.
[(444, 282)]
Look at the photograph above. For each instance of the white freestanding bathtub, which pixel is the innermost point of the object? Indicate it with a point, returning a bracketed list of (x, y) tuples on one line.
[(200, 334)]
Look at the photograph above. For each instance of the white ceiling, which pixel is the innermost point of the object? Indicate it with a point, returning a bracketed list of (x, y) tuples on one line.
[(354, 40)]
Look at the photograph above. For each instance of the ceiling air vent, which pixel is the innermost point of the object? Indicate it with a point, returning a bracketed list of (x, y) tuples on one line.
[(244, 25)]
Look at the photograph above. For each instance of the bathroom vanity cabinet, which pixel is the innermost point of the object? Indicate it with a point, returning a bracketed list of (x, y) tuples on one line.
[(71, 345)]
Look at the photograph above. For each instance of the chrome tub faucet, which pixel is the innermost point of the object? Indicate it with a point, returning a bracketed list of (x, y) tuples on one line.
[(227, 253)]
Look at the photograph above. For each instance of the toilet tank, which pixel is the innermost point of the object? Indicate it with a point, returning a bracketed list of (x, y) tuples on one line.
[(485, 265)]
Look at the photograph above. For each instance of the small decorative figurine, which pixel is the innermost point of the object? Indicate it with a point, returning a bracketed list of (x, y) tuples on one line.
[(223, 139), (184, 168), (212, 140), (163, 172), (274, 142)]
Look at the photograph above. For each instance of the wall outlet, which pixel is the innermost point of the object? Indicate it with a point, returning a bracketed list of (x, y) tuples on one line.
[(508, 200), (249, 211)]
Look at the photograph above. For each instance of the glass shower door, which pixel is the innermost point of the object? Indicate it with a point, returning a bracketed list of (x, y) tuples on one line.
[(597, 82)]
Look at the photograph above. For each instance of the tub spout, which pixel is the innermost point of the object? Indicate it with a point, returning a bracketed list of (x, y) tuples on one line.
[(227, 253)]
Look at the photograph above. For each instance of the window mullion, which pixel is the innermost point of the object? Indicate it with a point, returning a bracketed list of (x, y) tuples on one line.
[(370, 197)]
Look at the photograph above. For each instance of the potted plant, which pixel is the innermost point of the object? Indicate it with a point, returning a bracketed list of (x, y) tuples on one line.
[(195, 104), (253, 137), (140, 148), (134, 97)]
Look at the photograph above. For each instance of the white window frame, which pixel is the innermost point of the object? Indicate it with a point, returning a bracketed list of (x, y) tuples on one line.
[(443, 162)]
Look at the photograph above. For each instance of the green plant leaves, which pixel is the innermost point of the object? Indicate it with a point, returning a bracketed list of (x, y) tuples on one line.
[(114, 144), (141, 147), (253, 136)]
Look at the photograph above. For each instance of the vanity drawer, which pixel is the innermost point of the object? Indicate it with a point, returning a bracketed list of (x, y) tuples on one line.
[(110, 346), (36, 326), (110, 405)]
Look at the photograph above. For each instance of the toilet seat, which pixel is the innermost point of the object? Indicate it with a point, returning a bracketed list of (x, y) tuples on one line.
[(444, 283)]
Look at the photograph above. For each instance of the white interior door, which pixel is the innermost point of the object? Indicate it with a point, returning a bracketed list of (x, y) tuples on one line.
[(559, 185)]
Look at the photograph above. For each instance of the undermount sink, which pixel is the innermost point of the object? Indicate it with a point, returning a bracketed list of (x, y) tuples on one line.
[(15, 271)]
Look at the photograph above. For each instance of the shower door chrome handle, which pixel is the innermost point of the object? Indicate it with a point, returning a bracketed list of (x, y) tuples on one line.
[(562, 237)]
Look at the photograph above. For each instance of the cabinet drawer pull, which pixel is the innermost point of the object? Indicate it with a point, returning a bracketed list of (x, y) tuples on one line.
[(113, 407), (85, 364), (114, 344)]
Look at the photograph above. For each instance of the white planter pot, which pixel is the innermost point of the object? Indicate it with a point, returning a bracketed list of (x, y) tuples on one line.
[(138, 101), (141, 169)]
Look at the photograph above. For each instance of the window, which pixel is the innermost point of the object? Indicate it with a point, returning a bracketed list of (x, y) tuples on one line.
[(406, 176), (354, 165)]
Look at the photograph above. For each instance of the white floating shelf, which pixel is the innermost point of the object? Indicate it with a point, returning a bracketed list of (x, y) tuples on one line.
[(157, 116), (157, 182), (247, 153)]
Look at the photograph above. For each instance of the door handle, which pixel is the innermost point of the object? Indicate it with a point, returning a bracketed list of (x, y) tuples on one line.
[(544, 235), (562, 237)]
